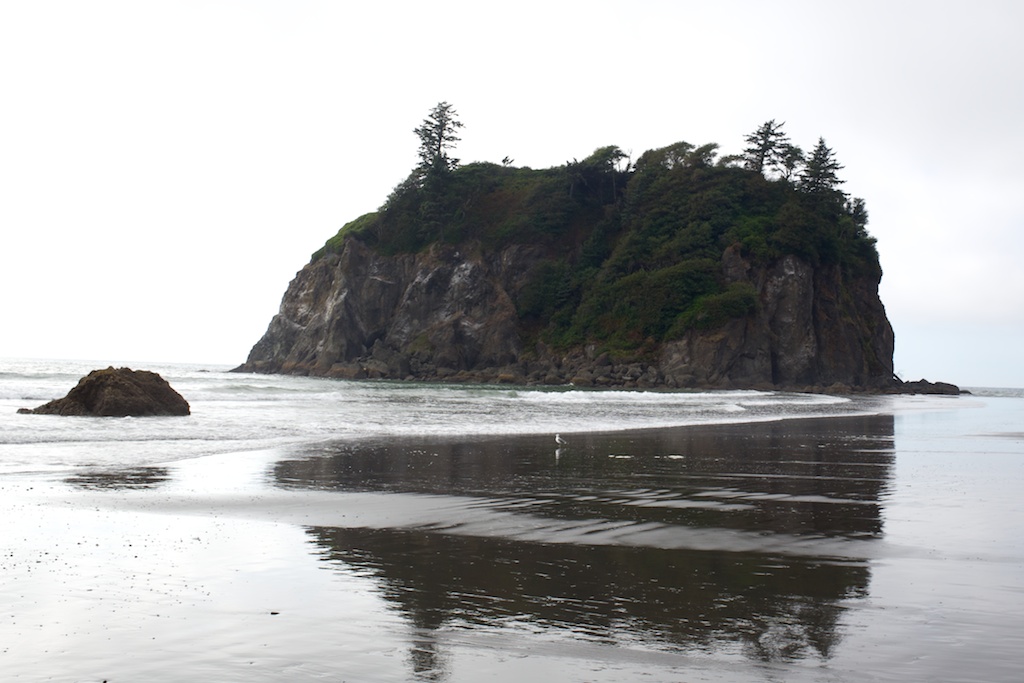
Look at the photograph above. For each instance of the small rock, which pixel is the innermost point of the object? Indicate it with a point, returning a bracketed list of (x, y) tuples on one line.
[(120, 392)]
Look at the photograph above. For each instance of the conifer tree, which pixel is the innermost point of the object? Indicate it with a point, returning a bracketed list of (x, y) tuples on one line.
[(792, 159), (437, 135), (766, 147), (819, 174)]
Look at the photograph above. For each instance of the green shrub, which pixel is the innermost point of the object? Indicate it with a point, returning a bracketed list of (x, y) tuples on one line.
[(361, 226), (708, 312), (631, 258)]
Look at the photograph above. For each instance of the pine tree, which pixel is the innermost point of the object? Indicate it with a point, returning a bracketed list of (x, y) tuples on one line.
[(818, 176), (766, 147), (437, 135)]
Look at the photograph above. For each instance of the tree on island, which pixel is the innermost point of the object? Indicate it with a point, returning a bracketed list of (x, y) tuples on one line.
[(819, 176), (792, 159), (443, 200), (587, 177), (429, 184), (766, 147), (437, 135)]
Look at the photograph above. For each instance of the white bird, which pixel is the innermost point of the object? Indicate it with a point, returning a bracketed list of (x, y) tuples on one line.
[(559, 440)]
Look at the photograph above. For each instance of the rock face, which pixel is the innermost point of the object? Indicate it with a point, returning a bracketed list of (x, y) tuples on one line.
[(119, 392), (359, 314), (813, 328), (446, 313), (923, 386)]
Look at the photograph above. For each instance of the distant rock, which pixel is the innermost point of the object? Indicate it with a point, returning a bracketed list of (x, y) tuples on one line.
[(923, 386), (117, 392)]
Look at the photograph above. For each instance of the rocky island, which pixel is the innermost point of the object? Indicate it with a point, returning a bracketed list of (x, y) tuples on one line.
[(682, 269)]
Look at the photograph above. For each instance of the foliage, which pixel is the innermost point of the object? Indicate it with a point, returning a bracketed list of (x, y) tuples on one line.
[(437, 135), (792, 158), (766, 147), (547, 291), (737, 301), (597, 176), (820, 175), (624, 311), (361, 226), (631, 253)]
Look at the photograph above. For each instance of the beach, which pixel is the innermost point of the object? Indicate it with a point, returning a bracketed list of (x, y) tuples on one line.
[(884, 544)]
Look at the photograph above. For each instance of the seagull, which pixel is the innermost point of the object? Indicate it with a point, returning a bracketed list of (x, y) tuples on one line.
[(559, 440)]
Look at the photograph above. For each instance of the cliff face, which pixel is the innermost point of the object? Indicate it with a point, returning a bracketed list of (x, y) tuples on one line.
[(450, 313), (360, 314), (813, 328), (673, 272)]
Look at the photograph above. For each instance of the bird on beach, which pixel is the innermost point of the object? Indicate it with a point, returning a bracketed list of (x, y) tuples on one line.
[(559, 440)]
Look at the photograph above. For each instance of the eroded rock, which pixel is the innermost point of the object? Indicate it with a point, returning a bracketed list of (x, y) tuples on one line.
[(449, 314), (117, 392)]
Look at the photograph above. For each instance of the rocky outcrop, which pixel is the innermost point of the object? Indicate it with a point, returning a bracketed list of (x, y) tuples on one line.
[(814, 327), (923, 386), (361, 314), (449, 314), (117, 392)]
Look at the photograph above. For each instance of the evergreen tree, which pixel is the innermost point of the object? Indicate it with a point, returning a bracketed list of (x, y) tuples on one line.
[(792, 159), (818, 176), (437, 135), (857, 210), (765, 147)]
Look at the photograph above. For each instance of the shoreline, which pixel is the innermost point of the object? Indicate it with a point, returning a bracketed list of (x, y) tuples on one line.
[(796, 545), (626, 376)]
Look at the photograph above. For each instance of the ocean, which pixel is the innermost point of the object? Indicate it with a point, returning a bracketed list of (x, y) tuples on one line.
[(297, 529)]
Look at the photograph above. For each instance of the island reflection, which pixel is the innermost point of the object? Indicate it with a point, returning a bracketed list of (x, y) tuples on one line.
[(789, 508)]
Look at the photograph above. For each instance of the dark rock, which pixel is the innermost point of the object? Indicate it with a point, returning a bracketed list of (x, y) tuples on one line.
[(119, 392), (923, 386), (445, 312), (813, 326)]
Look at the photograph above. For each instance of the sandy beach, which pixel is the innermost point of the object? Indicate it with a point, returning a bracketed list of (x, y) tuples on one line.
[(883, 547)]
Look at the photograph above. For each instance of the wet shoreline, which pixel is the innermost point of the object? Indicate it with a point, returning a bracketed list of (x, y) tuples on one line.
[(729, 552)]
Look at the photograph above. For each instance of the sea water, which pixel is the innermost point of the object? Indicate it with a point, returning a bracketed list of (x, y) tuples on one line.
[(307, 529), (234, 412)]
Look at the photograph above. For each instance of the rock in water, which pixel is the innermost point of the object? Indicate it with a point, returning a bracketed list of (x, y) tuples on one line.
[(923, 386), (118, 392)]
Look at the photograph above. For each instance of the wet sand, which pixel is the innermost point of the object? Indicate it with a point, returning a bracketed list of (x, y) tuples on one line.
[(847, 549)]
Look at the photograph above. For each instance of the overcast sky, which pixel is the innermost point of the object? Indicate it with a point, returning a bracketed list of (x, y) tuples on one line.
[(167, 166)]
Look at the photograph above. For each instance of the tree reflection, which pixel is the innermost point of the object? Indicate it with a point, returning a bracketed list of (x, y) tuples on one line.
[(779, 607), (821, 479)]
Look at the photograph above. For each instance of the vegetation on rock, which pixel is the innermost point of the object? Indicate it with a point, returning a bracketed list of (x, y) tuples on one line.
[(633, 252)]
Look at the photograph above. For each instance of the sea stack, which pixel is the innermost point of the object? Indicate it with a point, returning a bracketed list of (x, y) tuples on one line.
[(117, 392), (677, 271)]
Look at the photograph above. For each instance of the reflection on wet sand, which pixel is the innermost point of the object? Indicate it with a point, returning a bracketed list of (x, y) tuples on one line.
[(748, 536), (118, 479), (776, 607)]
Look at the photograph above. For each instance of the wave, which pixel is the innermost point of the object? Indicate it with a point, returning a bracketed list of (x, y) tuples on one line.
[(232, 412)]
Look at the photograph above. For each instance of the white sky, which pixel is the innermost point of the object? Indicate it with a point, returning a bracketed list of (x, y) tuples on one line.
[(167, 166)]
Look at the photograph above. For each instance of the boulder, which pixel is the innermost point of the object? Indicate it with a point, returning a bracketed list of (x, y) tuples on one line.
[(117, 392)]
